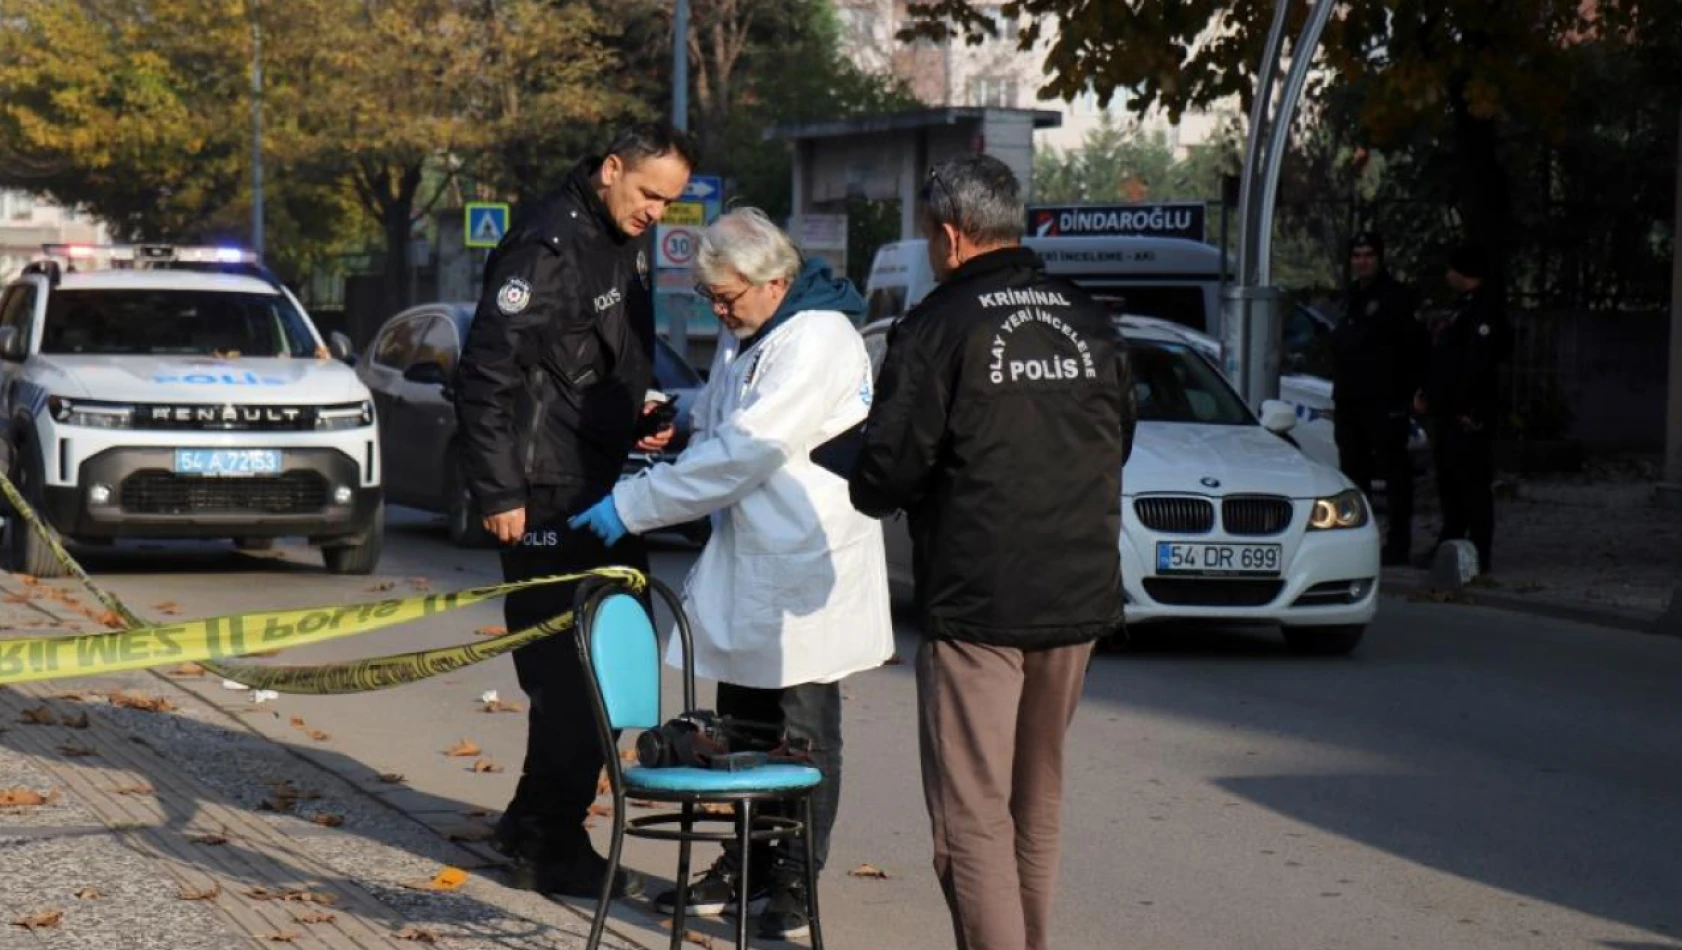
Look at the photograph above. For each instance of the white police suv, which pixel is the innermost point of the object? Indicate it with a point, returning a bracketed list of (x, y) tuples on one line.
[(152, 391)]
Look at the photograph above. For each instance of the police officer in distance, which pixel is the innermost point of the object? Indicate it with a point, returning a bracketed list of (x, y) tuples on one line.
[(550, 400), (1461, 397), (1379, 354)]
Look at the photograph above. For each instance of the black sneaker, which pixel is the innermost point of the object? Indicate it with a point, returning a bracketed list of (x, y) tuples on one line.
[(784, 917), (712, 894)]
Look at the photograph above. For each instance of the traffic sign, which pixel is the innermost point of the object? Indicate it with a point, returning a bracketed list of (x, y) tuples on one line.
[(486, 222), (685, 213), (707, 188), (677, 246)]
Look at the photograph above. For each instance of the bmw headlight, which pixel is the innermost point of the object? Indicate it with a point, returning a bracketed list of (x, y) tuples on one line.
[(350, 415), (90, 413), (1343, 510)]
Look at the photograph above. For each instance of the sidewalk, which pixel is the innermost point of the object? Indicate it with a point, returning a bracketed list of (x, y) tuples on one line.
[(134, 814), (1590, 546)]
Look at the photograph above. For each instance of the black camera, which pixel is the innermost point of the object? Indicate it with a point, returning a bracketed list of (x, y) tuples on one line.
[(699, 736)]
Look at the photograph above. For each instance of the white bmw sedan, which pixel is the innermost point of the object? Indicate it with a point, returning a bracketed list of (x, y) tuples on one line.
[(1223, 518)]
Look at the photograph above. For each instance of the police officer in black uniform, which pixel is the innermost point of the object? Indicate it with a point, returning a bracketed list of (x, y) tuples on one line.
[(550, 400), (1460, 398), (1379, 354)]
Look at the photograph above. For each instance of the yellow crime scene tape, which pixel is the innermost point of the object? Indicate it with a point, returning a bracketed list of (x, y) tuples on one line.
[(214, 641)]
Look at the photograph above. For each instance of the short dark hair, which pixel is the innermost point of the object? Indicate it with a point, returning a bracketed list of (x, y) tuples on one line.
[(979, 195), (646, 140), (1469, 260)]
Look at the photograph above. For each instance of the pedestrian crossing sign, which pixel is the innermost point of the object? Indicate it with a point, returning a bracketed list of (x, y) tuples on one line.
[(487, 222)]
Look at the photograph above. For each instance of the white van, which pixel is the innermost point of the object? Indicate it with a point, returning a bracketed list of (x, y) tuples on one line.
[(1172, 278)]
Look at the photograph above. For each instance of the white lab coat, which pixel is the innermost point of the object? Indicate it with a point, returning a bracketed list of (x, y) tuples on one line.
[(792, 587)]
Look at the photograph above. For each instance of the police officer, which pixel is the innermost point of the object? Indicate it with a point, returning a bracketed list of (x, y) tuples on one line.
[(1379, 354), (1460, 398), (550, 399)]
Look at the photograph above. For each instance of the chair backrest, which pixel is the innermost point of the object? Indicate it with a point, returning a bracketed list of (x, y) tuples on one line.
[(625, 654)]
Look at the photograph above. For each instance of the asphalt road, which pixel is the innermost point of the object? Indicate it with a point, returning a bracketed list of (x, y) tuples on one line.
[(1469, 779)]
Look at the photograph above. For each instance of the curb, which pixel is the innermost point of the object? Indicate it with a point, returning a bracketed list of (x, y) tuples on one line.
[(1616, 618)]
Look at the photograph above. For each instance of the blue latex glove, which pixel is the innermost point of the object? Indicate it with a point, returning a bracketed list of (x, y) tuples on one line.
[(602, 520)]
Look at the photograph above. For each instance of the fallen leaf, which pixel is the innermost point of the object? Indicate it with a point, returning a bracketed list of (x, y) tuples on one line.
[(391, 778), (110, 619), (140, 789), (169, 607), (208, 839), (73, 751), (294, 896), (497, 705), (463, 749), (40, 921), (327, 820), (486, 765), (28, 580), (202, 894), (78, 721), (260, 894), (136, 701), (316, 917), (318, 735), (490, 631), (88, 894), (23, 796), (866, 870), (382, 586), (603, 784), (601, 811), (298, 722), (448, 879), (417, 934), (39, 716), (420, 583), (17, 598), (284, 936)]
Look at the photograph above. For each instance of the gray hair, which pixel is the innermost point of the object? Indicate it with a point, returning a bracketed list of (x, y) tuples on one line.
[(745, 241), (979, 195)]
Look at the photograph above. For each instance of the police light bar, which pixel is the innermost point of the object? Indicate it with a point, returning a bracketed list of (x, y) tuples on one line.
[(152, 253)]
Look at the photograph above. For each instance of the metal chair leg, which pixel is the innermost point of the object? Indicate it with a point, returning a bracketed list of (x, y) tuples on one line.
[(811, 872), (681, 911), (599, 922), (744, 829)]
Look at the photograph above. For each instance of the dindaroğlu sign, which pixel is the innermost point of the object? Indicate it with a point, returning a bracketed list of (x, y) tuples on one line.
[(1180, 219)]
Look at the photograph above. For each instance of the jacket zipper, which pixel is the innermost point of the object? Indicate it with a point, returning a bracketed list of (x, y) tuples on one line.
[(539, 403)]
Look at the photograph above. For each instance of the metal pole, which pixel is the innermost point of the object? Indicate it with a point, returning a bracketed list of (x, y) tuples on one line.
[(256, 134), (1670, 491), (1302, 56), (1252, 147), (680, 66)]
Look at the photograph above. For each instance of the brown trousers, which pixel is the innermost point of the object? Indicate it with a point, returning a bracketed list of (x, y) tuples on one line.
[(991, 725)]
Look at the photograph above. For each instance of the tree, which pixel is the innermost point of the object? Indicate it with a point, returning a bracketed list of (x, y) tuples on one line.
[(1467, 72)]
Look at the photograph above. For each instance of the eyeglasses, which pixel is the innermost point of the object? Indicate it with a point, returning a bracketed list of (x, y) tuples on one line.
[(717, 301), (936, 182)]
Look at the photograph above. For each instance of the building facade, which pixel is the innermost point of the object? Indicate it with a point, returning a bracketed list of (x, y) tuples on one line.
[(993, 74)]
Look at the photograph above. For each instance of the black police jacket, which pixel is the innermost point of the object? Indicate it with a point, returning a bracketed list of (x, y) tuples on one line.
[(552, 378), (1380, 349), (1002, 416), (1463, 380)]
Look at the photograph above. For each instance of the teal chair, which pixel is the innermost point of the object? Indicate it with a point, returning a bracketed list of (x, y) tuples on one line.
[(621, 653)]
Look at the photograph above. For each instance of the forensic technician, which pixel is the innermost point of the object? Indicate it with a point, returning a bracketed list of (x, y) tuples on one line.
[(790, 594), (1004, 412), (550, 400)]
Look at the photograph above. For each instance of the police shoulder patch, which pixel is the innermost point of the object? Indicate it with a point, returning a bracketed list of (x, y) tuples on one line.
[(514, 296)]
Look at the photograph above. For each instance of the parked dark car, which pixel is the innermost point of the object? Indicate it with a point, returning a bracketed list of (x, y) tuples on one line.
[(408, 367)]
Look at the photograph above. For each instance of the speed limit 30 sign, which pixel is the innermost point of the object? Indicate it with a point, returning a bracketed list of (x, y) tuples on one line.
[(677, 246)]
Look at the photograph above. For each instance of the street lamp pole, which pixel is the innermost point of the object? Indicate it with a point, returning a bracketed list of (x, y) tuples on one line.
[(256, 134)]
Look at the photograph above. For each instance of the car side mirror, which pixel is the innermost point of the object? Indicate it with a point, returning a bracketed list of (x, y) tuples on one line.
[(10, 344), (427, 374), (339, 345), (1277, 416)]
